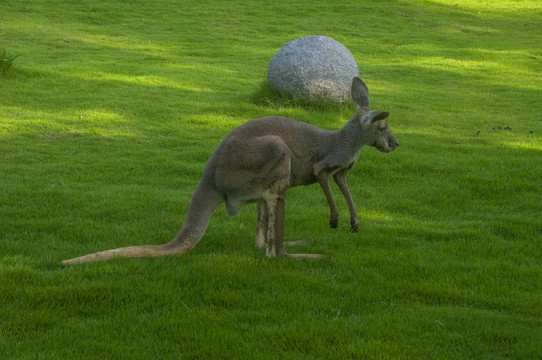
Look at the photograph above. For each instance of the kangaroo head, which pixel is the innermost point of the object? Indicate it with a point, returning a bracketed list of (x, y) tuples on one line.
[(377, 131)]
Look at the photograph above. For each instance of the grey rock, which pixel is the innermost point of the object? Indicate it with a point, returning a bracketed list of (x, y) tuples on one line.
[(313, 68)]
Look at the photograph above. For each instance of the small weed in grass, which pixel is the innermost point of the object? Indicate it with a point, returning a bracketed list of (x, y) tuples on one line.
[(7, 60)]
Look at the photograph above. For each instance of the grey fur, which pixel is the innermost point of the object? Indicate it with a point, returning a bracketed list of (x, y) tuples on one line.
[(259, 161)]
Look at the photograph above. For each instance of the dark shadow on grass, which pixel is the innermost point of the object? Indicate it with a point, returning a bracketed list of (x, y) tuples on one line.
[(155, 102)]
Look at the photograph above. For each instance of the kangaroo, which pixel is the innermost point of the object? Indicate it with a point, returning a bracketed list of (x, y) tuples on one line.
[(258, 162)]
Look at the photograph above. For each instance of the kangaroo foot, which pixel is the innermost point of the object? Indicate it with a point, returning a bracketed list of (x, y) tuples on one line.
[(307, 256), (294, 243)]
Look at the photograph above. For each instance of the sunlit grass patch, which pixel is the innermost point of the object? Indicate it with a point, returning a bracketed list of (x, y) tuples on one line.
[(115, 107)]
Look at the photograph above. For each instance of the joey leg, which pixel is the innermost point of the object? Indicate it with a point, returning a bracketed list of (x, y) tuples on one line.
[(275, 245), (297, 242), (263, 222), (307, 256), (340, 179), (275, 227)]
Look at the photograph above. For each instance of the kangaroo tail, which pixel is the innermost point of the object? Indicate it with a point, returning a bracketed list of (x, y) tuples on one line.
[(204, 202)]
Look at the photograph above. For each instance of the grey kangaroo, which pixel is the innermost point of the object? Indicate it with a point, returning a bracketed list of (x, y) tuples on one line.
[(259, 161)]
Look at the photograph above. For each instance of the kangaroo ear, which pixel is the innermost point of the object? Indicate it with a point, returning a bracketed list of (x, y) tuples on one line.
[(373, 116), (360, 93)]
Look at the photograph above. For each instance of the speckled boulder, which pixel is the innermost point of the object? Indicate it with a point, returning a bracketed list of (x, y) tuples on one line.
[(313, 68)]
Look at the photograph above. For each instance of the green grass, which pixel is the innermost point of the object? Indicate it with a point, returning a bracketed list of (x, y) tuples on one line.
[(108, 119)]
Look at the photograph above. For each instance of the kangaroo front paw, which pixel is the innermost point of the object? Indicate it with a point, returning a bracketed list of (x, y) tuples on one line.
[(354, 225)]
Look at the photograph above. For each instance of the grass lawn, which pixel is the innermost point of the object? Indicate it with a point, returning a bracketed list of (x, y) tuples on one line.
[(114, 107)]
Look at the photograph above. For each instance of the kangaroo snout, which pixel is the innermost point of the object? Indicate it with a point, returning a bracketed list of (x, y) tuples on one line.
[(386, 145), (393, 143)]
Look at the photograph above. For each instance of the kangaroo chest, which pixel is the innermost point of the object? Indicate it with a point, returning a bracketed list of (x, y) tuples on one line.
[(347, 164)]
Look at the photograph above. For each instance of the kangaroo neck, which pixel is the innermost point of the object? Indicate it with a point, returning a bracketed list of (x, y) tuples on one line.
[(353, 135)]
